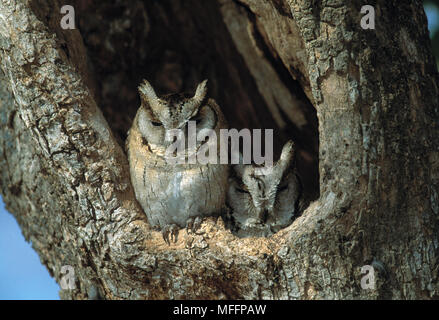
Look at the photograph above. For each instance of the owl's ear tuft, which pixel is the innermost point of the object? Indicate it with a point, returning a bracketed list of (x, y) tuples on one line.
[(286, 158), (147, 92), (192, 106), (200, 93), (150, 98), (288, 152)]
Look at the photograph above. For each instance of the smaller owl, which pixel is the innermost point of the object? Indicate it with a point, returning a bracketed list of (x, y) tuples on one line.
[(262, 200)]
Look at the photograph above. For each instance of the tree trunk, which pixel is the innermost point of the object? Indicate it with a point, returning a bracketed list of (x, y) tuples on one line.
[(362, 106)]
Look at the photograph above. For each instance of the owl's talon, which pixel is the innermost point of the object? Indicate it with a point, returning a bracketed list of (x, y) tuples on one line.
[(174, 233), (190, 224), (165, 234), (193, 224), (197, 223), (170, 233)]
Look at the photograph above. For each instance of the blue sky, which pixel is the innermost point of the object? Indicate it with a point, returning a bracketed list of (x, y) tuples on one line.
[(432, 12), (22, 276)]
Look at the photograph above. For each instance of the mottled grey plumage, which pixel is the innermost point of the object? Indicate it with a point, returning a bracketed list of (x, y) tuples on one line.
[(174, 195), (263, 200)]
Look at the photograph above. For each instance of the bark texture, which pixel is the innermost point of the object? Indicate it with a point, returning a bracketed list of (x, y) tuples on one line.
[(278, 64)]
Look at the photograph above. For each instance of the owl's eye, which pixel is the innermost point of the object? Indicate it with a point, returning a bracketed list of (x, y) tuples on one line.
[(196, 118), (241, 190), (156, 124), (285, 187)]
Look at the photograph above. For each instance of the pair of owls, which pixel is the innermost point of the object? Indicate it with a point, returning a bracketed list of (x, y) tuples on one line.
[(258, 201)]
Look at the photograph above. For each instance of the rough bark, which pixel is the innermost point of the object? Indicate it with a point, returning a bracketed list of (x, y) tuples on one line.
[(279, 64)]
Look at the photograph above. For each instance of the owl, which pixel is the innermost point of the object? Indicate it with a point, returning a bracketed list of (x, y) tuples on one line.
[(262, 200), (175, 195)]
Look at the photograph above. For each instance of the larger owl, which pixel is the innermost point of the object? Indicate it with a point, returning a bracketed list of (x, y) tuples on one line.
[(175, 195), (262, 200)]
